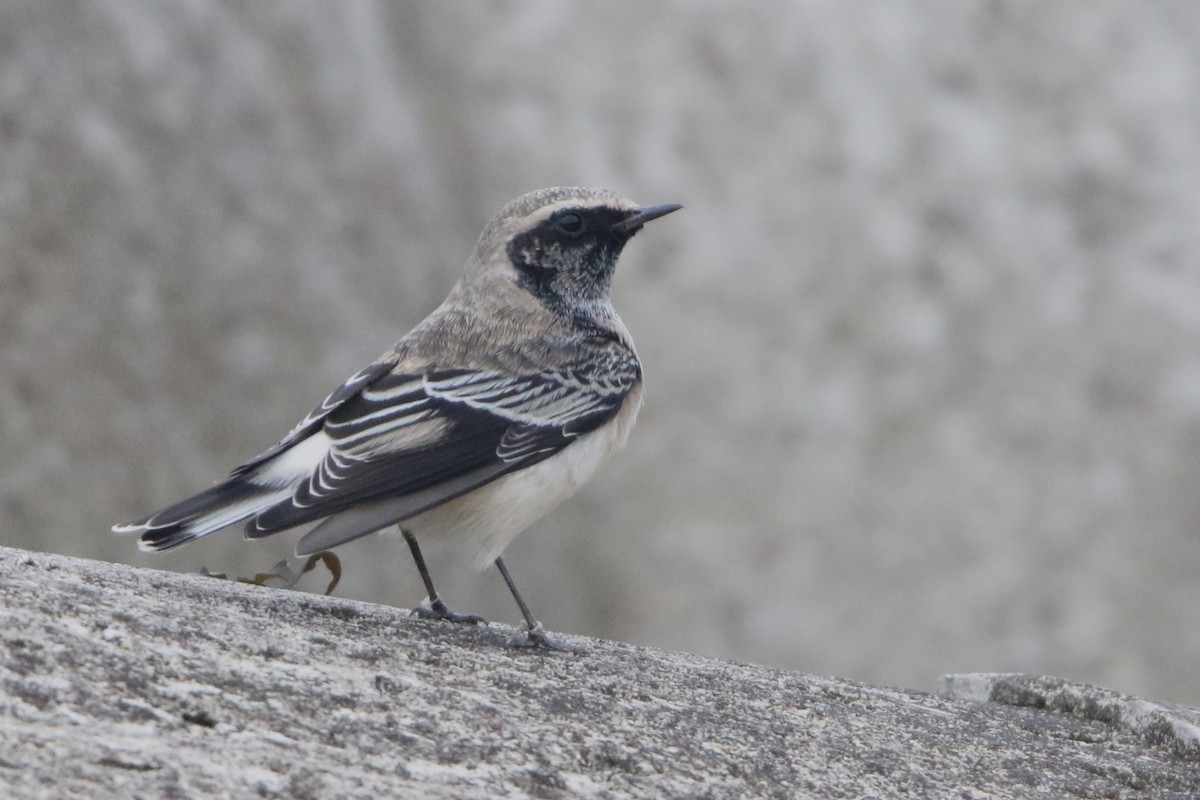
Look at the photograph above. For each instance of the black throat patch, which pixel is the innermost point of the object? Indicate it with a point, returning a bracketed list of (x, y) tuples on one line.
[(565, 269)]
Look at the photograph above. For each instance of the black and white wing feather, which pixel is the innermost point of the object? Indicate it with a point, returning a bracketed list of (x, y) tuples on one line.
[(348, 390), (436, 436), (412, 440)]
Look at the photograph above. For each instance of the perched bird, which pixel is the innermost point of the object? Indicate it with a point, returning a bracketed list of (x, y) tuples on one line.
[(490, 412)]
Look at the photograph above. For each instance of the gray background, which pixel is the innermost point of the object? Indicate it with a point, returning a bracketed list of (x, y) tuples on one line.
[(923, 351)]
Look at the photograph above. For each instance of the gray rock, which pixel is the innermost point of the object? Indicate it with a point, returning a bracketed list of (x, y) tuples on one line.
[(120, 682), (1161, 725)]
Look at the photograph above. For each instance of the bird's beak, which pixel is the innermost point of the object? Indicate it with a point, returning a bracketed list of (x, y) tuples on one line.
[(640, 216)]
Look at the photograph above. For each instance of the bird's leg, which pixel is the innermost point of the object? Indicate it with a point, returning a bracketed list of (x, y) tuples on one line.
[(436, 608), (534, 634)]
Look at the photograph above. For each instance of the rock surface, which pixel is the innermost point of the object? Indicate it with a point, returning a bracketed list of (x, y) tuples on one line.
[(120, 682)]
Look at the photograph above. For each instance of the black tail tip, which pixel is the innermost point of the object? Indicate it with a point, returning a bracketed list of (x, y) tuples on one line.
[(159, 539)]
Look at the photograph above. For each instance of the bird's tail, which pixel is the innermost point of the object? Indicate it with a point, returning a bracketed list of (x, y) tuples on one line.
[(236, 499)]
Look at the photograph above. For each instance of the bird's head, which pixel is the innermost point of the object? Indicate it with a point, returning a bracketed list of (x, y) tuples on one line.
[(562, 244)]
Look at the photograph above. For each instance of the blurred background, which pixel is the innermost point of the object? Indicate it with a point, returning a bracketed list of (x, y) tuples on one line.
[(922, 352)]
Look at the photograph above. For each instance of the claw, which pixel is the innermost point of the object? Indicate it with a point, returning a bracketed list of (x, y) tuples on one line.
[(437, 610), (536, 637)]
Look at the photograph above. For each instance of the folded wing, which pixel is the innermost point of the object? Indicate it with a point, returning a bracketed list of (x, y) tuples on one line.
[(416, 441)]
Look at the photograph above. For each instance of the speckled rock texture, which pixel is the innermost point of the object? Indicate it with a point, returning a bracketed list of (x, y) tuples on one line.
[(117, 682)]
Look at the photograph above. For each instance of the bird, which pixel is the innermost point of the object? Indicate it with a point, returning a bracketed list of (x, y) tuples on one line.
[(490, 412)]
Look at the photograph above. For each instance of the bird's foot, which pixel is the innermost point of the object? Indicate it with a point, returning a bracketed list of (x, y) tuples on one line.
[(437, 610), (536, 637)]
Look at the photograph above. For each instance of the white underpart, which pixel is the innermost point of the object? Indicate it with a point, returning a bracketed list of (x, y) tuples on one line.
[(491, 516)]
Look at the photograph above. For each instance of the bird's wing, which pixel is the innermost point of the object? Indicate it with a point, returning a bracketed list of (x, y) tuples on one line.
[(338, 397), (437, 435)]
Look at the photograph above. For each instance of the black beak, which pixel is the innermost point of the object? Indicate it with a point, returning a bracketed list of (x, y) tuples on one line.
[(640, 216)]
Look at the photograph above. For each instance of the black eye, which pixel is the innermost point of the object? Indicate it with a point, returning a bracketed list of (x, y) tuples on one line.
[(570, 224)]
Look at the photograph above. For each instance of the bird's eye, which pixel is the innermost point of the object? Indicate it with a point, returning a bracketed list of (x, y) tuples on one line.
[(571, 224)]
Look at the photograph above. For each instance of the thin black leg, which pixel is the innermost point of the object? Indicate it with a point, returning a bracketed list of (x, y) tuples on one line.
[(436, 608), (531, 624), (534, 634)]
